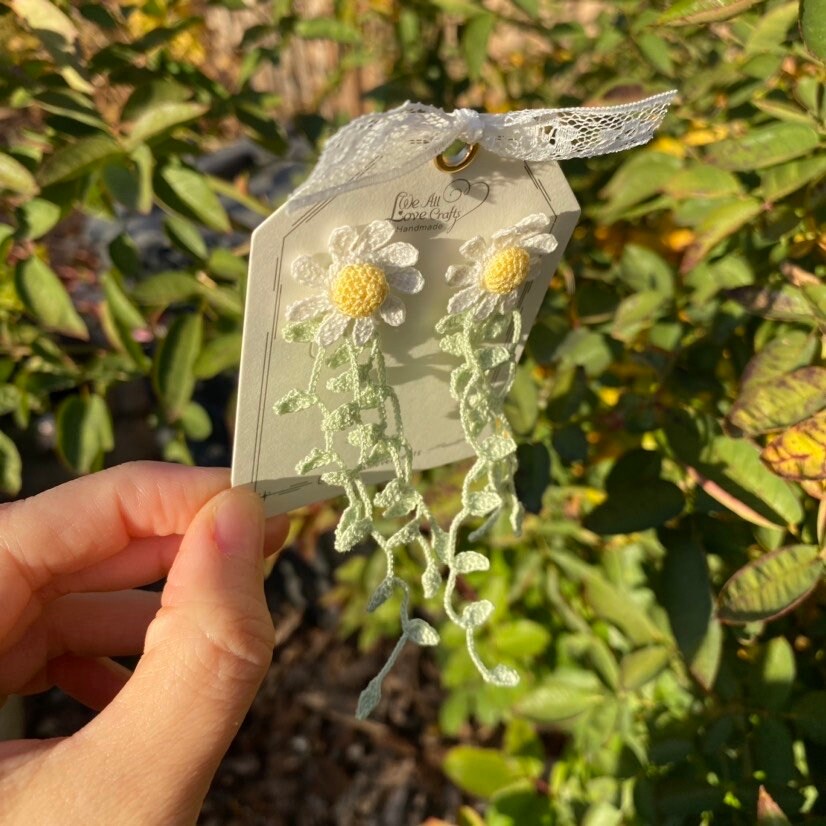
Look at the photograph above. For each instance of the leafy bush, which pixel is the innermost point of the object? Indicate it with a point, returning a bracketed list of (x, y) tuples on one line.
[(664, 604)]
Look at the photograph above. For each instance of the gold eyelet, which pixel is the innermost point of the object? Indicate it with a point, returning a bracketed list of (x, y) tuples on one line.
[(464, 160)]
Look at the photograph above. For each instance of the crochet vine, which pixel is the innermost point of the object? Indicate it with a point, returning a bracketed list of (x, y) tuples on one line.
[(365, 431)]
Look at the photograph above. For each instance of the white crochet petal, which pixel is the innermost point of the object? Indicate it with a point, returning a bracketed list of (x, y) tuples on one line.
[(362, 330), (406, 280), (400, 254), (462, 300), (308, 272), (486, 306), (332, 328), (538, 222), (541, 244), (505, 238), (373, 236), (474, 248), (306, 308), (341, 243), (460, 275), (393, 311)]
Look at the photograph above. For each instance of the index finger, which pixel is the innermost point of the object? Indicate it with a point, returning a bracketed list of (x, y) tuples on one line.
[(87, 520)]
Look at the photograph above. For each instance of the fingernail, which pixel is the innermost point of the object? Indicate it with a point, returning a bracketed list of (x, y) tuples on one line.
[(239, 523)]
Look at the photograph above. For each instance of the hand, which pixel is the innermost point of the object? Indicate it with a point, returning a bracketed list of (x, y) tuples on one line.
[(68, 561)]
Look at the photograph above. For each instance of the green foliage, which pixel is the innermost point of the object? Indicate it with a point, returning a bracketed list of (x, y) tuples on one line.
[(664, 603)]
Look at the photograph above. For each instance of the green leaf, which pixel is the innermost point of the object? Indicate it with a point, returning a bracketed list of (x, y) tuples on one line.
[(520, 638), (721, 221), (688, 600), (46, 20), (162, 118), (481, 772), (475, 36), (638, 507), (195, 422), (11, 466), (186, 236), (780, 181), (558, 699), (686, 12), (522, 403), (226, 265), (636, 313), (813, 26), (173, 372), (218, 355), (327, 28), (165, 288), (775, 675), (785, 304), (120, 304), (644, 174), (703, 181), (780, 355), (656, 51), (45, 297), (730, 471), (770, 586), (764, 146), (642, 666), (780, 401), (77, 159), (187, 191), (84, 432), (809, 718), (770, 32), (36, 217), (15, 177)]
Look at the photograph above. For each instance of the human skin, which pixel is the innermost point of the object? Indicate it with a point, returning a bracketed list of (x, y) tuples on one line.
[(70, 559)]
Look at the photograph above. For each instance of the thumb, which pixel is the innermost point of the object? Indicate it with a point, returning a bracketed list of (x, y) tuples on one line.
[(206, 654)]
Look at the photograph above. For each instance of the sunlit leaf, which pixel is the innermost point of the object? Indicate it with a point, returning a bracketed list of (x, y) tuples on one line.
[(15, 177), (173, 371), (684, 12), (764, 146), (779, 401), (84, 432), (481, 772), (800, 452), (813, 26), (770, 586), (46, 298), (162, 118), (721, 221), (11, 466), (78, 158)]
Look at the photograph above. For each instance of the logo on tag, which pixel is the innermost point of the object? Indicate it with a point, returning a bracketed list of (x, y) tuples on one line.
[(438, 211)]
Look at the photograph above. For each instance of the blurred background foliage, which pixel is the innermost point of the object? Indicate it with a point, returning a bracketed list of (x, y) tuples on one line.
[(665, 604)]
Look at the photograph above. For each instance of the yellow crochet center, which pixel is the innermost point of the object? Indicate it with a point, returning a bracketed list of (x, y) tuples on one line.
[(359, 290), (506, 270)]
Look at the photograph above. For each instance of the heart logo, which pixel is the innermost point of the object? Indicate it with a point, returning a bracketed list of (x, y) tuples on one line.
[(461, 189)]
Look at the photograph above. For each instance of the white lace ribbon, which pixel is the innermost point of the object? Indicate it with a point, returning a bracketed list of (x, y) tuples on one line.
[(383, 146)]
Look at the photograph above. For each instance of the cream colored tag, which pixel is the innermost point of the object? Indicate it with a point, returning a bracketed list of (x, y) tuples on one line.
[(435, 211)]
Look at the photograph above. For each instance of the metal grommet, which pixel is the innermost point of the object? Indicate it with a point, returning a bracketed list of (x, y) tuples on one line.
[(464, 161)]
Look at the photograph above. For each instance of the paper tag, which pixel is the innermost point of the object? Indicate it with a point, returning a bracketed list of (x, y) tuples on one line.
[(435, 211)]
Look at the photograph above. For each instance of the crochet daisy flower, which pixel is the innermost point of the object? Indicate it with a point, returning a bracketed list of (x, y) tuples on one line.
[(355, 289), (498, 268)]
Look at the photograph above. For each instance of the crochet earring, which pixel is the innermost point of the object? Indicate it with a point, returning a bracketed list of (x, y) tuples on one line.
[(356, 290), (483, 327)]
